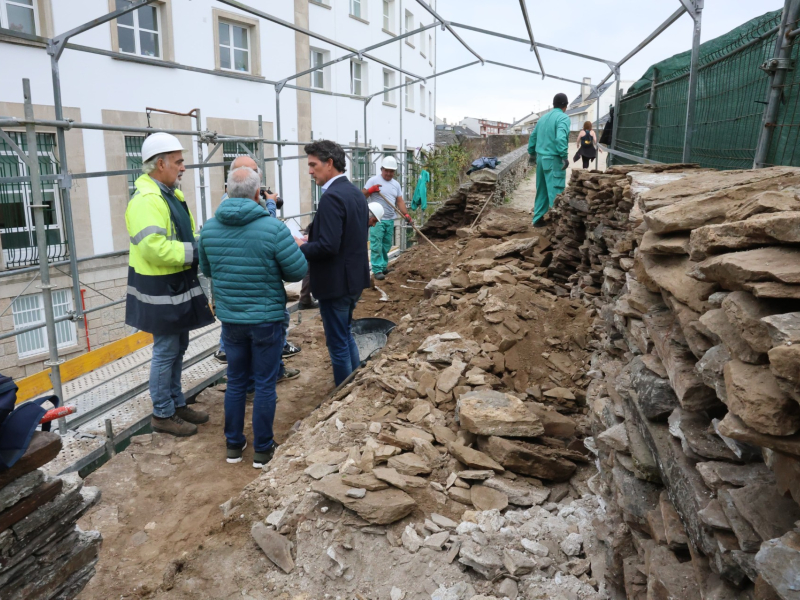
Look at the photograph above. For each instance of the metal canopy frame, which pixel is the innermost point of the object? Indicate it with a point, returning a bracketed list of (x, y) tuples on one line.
[(55, 47)]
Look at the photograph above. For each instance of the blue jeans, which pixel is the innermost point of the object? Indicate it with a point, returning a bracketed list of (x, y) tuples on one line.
[(165, 373), (252, 350), (337, 318), (251, 385)]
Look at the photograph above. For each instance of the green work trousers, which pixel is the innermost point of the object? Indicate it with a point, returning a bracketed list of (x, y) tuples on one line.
[(380, 242), (551, 180)]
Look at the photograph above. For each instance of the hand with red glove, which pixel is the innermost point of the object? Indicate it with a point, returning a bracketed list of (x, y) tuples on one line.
[(408, 219), (374, 189)]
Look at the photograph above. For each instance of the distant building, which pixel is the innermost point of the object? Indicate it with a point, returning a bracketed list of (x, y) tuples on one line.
[(450, 134), (484, 127)]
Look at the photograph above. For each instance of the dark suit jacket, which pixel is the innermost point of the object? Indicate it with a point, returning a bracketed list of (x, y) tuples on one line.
[(336, 250)]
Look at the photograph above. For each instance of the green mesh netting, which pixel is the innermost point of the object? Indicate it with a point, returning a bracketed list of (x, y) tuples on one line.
[(731, 90)]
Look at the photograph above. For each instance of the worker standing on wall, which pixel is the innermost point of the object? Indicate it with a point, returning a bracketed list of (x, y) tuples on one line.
[(549, 142), (386, 191), (164, 294)]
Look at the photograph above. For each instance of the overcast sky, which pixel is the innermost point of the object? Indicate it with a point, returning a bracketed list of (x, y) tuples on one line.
[(607, 29)]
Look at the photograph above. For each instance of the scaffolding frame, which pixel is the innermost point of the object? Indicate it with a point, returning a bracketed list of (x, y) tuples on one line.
[(55, 47)]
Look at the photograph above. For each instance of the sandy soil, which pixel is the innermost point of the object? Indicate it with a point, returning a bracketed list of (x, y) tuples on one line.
[(161, 500)]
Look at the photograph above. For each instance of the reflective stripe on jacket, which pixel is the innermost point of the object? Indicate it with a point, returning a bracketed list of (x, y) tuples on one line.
[(164, 294)]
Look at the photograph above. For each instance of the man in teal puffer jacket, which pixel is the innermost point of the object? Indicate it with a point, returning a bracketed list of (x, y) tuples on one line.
[(248, 256)]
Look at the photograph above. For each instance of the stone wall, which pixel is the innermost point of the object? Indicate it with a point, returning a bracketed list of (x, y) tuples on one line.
[(694, 406), (103, 280), (43, 553), (461, 208)]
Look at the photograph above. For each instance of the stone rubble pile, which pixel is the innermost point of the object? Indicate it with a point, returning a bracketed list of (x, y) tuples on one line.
[(460, 451), (696, 403), (43, 554), (467, 202)]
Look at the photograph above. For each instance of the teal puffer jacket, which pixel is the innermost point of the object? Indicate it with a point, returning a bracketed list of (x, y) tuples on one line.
[(248, 256)]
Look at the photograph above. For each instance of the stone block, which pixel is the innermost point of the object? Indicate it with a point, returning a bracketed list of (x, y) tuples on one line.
[(487, 412), (733, 427), (530, 459), (770, 513), (753, 395), (656, 396)]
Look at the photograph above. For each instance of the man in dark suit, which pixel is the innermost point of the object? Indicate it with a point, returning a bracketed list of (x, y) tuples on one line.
[(336, 251)]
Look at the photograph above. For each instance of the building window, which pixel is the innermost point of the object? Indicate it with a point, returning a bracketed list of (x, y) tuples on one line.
[(422, 48), (388, 15), (409, 94), (422, 100), (19, 15), (138, 31), (17, 230), (355, 8), (409, 25), (133, 159), (430, 104), (318, 77), (388, 83), (357, 73), (430, 48), (230, 150), (234, 47), (29, 310)]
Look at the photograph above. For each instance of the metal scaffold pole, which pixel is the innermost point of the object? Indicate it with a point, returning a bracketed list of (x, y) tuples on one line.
[(38, 207), (777, 68), (695, 9), (202, 171), (651, 108), (278, 136)]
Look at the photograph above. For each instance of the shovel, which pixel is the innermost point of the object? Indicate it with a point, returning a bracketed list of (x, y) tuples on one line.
[(425, 237)]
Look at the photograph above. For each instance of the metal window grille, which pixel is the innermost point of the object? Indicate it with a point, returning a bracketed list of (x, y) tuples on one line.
[(28, 310), (17, 230), (138, 32), (19, 15), (234, 47), (133, 159), (230, 150)]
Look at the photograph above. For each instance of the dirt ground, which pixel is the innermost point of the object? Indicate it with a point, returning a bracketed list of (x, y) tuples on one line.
[(165, 532), (162, 500)]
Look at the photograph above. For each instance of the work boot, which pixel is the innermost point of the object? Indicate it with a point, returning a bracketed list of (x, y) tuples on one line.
[(539, 222), (262, 458), (192, 416), (379, 276), (387, 270), (173, 425)]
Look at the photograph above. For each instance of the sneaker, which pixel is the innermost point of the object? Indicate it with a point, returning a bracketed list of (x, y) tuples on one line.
[(234, 455), (221, 357), (191, 415), (262, 458), (289, 374), (379, 276), (308, 305), (173, 425), (540, 223), (289, 350)]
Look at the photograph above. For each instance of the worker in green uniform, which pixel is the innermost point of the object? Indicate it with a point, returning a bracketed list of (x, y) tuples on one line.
[(549, 143)]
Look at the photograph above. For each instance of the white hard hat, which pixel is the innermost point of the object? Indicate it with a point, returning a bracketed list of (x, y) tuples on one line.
[(158, 143), (389, 162), (376, 209)]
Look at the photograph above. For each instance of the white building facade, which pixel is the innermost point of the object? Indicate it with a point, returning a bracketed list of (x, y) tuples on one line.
[(233, 60)]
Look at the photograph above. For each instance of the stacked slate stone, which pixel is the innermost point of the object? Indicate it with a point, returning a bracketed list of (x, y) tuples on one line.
[(696, 416), (594, 233), (43, 554)]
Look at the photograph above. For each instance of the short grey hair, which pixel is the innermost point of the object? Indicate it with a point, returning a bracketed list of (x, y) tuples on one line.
[(243, 183), (149, 166)]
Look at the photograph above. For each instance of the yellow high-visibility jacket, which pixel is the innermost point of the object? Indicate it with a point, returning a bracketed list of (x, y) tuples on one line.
[(164, 294)]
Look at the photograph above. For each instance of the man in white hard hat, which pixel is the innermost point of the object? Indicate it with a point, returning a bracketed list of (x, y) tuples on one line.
[(164, 294), (375, 213), (386, 191)]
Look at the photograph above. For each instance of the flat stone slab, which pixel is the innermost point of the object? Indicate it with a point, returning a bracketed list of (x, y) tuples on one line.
[(276, 547), (530, 459), (409, 464), (733, 427), (731, 271), (770, 513), (473, 458), (769, 229), (518, 492), (392, 477), (671, 273), (778, 562), (753, 395), (487, 412), (486, 498), (380, 507), (44, 447)]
